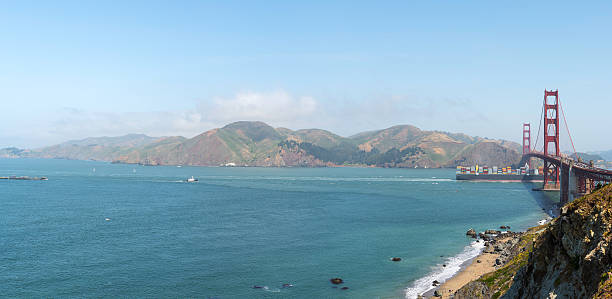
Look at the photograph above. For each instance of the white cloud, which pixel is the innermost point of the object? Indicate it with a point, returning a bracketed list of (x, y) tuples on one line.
[(277, 108), (274, 107), (76, 124)]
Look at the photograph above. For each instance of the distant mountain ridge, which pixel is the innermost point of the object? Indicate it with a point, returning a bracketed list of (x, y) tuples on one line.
[(606, 155), (125, 140), (254, 143), (585, 156)]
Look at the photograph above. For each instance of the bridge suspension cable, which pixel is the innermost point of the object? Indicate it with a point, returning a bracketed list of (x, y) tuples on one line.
[(568, 132), (539, 127)]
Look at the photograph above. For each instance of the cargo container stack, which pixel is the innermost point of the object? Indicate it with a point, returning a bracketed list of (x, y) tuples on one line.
[(496, 173)]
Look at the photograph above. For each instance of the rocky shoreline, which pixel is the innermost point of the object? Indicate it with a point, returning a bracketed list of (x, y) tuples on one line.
[(500, 248), (569, 257)]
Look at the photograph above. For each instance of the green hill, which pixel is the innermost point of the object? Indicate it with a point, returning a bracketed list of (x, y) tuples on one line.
[(255, 143), (94, 148)]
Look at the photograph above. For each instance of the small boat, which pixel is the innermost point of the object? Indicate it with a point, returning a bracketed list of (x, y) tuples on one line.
[(191, 180)]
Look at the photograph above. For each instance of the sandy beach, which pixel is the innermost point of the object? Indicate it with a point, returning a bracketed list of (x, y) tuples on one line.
[(471, 272)]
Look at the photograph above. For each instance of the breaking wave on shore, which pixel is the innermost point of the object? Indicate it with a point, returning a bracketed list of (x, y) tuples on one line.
[(453, 264)]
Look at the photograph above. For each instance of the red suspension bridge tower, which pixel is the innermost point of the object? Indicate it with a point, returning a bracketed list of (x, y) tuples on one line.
[(572, 177), (527, 141), (551, 136)]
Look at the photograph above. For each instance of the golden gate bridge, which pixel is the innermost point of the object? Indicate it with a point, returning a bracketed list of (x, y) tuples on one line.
[(568, 174)]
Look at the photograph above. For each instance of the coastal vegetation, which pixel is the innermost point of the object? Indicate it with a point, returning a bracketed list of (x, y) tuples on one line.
[(496, 283), (352, 155), (568, 258)]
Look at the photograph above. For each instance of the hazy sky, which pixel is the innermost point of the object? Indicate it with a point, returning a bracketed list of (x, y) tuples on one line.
[(71, 70)]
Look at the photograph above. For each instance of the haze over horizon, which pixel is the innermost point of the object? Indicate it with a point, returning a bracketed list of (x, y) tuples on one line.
[(73, 70)]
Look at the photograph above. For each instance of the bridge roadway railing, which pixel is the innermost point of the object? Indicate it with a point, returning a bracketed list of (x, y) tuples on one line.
[(570, 172), (581, 168)]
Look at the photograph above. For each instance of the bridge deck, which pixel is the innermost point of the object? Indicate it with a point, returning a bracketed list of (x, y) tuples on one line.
[(580, 168)]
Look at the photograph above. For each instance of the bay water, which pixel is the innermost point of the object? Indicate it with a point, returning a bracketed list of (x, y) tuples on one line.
[(97, 229)]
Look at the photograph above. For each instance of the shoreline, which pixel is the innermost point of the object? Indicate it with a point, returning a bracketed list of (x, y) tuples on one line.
[(453, 265), (493, 254), (472, 271), (469, 270), (240, 166), (454, 283)]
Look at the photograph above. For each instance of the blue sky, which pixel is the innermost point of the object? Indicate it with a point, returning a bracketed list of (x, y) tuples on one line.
[(73, 69)]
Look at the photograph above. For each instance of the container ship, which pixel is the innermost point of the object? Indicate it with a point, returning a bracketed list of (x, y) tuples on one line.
[(504, 174)]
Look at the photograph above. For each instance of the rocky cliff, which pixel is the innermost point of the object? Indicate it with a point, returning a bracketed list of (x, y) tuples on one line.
[(513, 256), (568, 258), (572, 258)]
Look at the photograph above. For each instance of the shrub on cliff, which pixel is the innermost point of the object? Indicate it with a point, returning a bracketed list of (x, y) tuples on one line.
[(573, 257)]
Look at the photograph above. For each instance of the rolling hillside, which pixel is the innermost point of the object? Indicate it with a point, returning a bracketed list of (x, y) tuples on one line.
[(94, 148), (248, 143)]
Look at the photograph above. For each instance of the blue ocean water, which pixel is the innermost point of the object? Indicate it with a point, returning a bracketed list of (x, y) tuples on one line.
[(110, 230)]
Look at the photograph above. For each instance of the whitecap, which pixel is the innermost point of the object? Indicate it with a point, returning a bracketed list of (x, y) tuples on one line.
[(442, 274), (273, 290)]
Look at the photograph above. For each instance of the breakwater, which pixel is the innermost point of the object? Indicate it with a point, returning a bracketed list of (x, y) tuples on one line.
[(23, 178)]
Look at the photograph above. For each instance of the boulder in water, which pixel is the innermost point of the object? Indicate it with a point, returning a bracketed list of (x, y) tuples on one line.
[(336, 280), (471, 232), (396, 259)]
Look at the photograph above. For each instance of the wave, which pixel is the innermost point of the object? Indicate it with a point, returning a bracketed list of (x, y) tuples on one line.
[(338, 179), (441, 274)]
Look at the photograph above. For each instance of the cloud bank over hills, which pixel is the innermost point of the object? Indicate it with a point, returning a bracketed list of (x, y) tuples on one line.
[(277, 108)]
